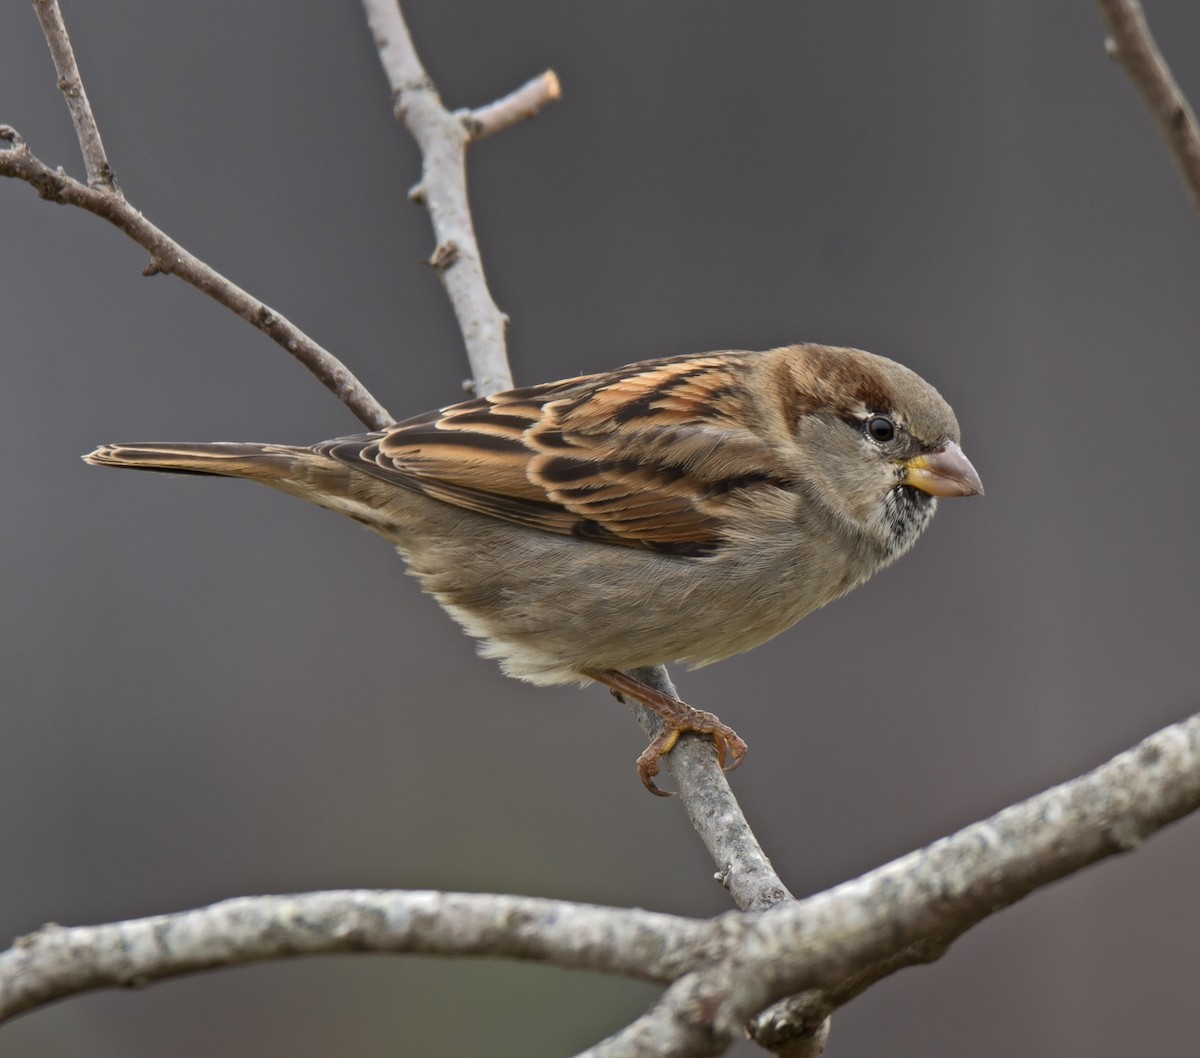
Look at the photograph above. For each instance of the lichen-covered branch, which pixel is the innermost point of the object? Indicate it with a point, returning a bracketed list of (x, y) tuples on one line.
[(742, 866), (797, 1026), (55, 962), (721, 972), (908, 910)]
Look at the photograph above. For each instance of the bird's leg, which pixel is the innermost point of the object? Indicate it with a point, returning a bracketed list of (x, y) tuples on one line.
[(679, 718)]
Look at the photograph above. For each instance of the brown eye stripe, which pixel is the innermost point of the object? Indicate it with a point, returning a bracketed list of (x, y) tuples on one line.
[(836, 377)]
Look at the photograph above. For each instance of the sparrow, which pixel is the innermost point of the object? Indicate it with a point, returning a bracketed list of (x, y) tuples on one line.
[(674, 510)]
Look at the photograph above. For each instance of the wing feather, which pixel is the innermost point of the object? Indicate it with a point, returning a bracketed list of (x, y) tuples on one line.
[(647, 456)]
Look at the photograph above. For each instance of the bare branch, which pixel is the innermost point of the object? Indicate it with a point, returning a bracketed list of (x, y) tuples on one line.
[(99, 172), (742, 866), (897, 914), (723, 971), (798, 1026), (1131, 43), (55, 962), (827, 948), (525, 103), (442, 138), (166, 255)]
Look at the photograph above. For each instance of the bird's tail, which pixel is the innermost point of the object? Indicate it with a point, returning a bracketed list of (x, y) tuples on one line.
[(266, 463), (301, 472), (305, 472)]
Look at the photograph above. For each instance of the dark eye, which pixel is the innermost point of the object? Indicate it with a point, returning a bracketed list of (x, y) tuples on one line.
[(880, 428)]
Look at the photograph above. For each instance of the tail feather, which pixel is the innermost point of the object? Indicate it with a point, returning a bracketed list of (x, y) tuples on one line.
[(258, 461), (304, 472)]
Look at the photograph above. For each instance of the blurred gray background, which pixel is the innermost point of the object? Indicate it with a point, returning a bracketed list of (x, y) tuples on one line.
[(208, 689)]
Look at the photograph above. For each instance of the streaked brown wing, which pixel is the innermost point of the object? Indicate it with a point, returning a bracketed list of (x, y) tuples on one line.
[(647, 456)]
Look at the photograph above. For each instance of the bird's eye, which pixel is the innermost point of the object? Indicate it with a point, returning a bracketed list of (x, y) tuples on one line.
[(880, 428)]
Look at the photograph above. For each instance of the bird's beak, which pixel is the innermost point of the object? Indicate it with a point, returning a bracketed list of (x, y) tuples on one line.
[(943, 472)]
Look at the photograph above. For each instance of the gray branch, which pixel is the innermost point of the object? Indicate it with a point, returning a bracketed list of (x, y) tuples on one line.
[(798, 1026), (442, 138), (99, 172), (742, 866), (1131, 43), (721, 972), (525, 103), (102, 197), (807, 957), (55, 962), (901, 912), (166, 255)]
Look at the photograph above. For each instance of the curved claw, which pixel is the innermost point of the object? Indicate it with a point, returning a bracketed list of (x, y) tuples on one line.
[(647, 766), (648, 762), (727, 740), (729, 746), (679, 718)]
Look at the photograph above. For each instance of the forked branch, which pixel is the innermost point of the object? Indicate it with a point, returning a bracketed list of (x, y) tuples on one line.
[(443, 137), (722, 971)]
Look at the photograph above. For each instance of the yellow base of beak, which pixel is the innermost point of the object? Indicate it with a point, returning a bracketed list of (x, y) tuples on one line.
[(945, 472)]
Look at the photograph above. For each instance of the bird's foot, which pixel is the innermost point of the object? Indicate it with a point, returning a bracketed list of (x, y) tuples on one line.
[(679, 718), (731, 749)]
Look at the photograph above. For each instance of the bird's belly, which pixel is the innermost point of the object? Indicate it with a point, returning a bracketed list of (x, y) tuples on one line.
[(549, 607)]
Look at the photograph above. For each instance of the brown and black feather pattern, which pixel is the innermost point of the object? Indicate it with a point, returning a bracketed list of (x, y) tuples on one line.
[(614, 457)]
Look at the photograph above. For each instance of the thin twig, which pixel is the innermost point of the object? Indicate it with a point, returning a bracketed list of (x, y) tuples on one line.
[(99, 172), (442, 138), (1131, 43), (166, 255), (797, 1026), (742, 866), (525, 103)]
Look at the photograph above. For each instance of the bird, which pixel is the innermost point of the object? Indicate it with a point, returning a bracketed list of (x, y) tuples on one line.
[(677, 510)]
